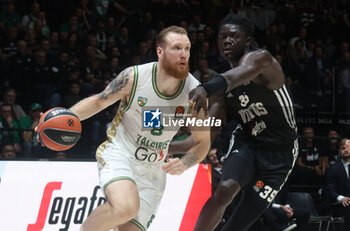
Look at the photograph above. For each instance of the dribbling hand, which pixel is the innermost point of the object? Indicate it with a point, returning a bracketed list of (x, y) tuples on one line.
[(174, 166), (36, 129)]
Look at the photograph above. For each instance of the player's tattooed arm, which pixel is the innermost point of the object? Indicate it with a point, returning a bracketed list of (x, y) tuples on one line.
[(117, 84), (116, 90), (190, 159)]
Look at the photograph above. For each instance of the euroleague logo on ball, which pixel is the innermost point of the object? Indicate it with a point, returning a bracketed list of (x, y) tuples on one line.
[(70, 123)]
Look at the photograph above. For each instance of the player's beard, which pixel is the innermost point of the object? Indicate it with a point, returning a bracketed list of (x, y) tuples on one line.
[(175, 70)]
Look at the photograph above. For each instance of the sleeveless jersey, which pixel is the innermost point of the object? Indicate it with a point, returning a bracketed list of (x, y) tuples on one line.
[(127, 128), (265, 115)]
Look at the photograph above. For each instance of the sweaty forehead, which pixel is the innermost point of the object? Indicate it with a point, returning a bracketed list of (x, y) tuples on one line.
[(230, 28), (173, 38)]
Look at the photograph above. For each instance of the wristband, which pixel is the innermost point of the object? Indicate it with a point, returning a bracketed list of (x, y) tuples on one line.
[(216, 86)]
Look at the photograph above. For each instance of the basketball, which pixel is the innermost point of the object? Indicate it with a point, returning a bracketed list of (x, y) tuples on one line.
[(59, 129)]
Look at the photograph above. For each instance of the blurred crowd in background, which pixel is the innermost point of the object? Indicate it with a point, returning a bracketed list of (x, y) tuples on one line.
[(54, 53)]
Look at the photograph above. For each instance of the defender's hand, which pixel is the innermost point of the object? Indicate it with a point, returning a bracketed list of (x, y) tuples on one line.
[(174, 167), (198, 96)]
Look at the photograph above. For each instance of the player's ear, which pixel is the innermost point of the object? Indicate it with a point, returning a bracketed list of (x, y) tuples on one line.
[(160, 52), (249, 41)]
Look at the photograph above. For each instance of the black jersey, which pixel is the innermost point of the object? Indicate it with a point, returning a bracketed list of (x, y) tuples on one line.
[(265, 115)]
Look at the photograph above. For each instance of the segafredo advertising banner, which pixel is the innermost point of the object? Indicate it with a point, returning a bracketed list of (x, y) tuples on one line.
[(40, 195)]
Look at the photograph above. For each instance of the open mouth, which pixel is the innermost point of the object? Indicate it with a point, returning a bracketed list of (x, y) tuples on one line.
[(227, 51)]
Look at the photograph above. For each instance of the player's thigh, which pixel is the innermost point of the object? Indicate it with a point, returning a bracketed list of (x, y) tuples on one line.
[(123, 194)]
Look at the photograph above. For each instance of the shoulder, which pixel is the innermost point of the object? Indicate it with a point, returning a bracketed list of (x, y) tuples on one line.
[(191, 82), (144, 72), (128, 72), (260, 56), (146, 66), (336, 167)]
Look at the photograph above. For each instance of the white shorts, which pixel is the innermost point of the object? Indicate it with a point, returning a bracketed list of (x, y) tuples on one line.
[(115, 163)]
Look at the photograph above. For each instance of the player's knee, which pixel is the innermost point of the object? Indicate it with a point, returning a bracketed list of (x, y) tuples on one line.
[(226, 191), (125, 210)]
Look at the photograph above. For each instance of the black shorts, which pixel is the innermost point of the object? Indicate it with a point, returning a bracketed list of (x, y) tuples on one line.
[(248, 161), (261, 173)]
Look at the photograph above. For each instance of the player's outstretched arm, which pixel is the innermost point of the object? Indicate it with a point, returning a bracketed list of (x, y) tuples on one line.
[(251, 66), (119, 88), (201, 145)]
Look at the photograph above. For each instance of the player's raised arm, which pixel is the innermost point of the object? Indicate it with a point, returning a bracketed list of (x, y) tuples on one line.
[(252, 65), (119, 88), (255, 65)]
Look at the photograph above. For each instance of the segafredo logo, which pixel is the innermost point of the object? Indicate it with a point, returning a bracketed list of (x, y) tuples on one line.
[(64, 211)]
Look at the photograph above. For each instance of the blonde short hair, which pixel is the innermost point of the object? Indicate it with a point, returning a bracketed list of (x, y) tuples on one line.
[(160, 41)]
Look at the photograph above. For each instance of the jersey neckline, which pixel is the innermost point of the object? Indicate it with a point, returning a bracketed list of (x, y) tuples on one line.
[(160, 94)]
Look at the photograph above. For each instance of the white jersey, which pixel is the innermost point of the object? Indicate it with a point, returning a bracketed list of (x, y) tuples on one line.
[(127, 128)]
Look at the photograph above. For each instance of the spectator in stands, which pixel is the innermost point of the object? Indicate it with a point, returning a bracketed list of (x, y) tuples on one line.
[(197, 24), (83, 20), (54, 44), (9, 127), (144, 52), (70, 27), (318, 72), (32, 16), (343, 77), (28, 123), (338, 183), (9, 98), (44, 81), (346, 21), (101, 36), (114, 68), (271, 38), (111, 27), (310, 49), (73, 96), (301, 36), (8, 45), (42, 31), (309, 170), (60, 156), (330, 150), (204, 68), (7, 151), (110, 43), (297, 60), (10, 18), (93, 76), (216, 168), (329, 49), (19, 66), (33, 43), (73, 48), (125, 45), (205, 77), (280, 214)]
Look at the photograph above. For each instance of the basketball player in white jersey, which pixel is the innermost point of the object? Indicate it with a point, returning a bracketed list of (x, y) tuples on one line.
[(131, 162)]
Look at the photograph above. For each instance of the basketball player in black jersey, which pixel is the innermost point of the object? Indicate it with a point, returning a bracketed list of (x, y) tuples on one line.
[(263, 147)]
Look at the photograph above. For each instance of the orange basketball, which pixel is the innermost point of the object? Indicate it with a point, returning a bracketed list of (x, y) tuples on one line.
[(59, 129)]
